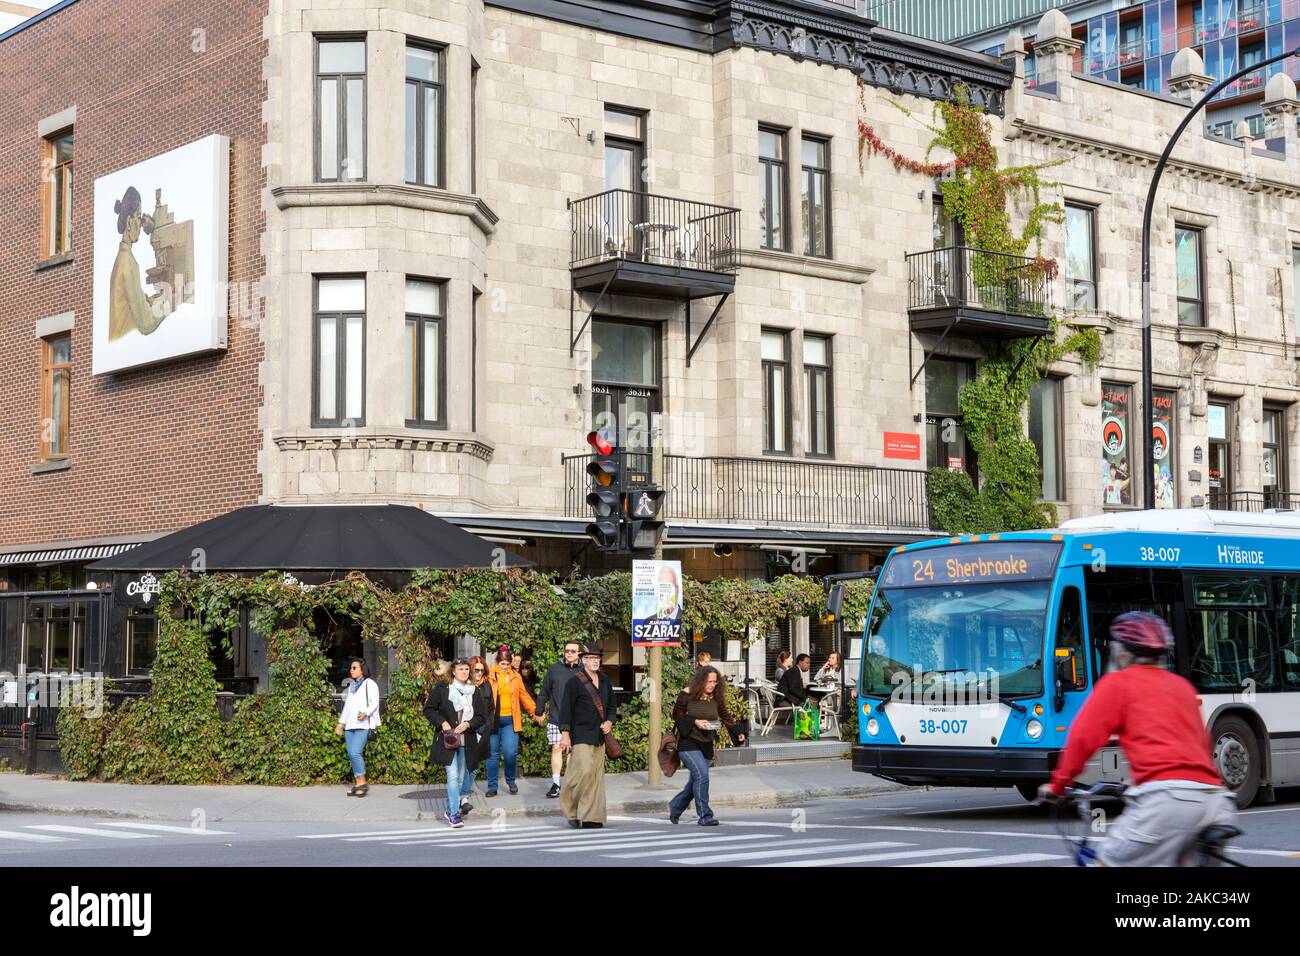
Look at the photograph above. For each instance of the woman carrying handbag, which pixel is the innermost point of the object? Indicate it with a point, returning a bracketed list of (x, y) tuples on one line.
[(698, 715), (358, 721), (451, 713)]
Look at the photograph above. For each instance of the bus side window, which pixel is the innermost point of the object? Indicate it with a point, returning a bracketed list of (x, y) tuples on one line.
[(1288, 603), (1069, 637)]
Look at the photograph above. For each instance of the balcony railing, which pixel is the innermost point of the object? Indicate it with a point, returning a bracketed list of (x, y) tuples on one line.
[(960, 277), (773, 491), (643, 227), (1254, 501), (1250, 18), (1131, 52)]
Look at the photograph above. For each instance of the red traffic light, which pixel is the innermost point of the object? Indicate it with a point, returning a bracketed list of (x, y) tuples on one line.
[(597, 441)]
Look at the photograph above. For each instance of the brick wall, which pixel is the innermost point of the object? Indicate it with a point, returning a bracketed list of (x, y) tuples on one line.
[(153, 449)]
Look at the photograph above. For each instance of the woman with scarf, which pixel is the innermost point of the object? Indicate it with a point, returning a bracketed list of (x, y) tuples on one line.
[(358, 721), (451, 713), (510, 701)]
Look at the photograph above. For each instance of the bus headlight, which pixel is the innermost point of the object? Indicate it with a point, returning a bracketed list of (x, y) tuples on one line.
[(873, 727), (1034, 729)]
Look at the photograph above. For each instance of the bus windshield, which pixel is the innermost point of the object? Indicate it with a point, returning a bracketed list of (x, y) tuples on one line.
[(963, 641)]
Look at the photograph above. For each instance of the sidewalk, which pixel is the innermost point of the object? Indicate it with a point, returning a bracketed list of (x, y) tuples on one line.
[(769, 785)]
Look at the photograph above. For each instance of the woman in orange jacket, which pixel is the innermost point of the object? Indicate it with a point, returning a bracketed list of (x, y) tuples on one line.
[(510, 699)]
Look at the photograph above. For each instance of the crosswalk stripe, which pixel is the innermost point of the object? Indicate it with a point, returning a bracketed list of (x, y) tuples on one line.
[(383, 834), (32, 837), (90, 831), (878, 857), (726, 839), (994, 860), (537, 840), (804, 849), (664, 840), (162, 828)]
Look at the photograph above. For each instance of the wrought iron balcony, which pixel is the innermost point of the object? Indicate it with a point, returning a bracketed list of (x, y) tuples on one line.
[(776, 492), (644, 244), (982, 292), (1254, 501)]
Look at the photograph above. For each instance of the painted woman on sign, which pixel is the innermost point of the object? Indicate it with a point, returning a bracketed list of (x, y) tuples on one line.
[(128, 306)]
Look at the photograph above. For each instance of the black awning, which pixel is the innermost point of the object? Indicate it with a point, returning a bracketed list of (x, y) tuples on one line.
[(316, 538)]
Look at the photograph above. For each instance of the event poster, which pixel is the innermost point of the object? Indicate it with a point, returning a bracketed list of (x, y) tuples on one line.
[(1162, 443), (1116, 473), (656, 603)]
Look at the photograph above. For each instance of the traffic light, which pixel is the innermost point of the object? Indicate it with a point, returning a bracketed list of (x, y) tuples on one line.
[(645, 527), (606, 496)]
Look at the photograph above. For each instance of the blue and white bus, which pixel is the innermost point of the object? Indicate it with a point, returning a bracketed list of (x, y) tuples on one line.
[(979, 650)]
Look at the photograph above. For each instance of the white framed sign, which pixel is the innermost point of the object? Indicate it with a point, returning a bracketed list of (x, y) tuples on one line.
[(161, 229)]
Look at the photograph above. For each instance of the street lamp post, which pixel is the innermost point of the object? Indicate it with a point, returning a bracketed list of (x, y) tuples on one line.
[(1149, 460)]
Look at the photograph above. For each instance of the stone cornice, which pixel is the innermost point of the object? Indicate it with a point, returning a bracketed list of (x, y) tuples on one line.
[(366, 439), (804, 265), (374, 194), (1139, 157)]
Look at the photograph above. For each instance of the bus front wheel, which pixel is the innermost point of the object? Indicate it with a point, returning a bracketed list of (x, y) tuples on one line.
[(1236, 756)]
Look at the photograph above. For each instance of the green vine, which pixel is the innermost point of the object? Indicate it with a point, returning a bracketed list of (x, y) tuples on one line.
[(980, 194)]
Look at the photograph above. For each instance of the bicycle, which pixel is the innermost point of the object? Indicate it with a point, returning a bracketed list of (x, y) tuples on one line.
[(1209, 845)]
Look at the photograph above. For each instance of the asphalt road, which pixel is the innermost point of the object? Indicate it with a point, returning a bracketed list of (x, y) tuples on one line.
[(950, 828)]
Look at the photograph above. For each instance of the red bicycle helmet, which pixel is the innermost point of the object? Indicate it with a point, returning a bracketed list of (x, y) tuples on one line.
[(1142, 632)]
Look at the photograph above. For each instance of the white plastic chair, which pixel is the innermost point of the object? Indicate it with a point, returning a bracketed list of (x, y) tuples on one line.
[(776, 708), (830, 714)]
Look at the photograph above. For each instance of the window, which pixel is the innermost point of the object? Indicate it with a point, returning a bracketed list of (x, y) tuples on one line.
[(1275, 483), (340, 349), (1080, 263), (1069, 639), (776, 392), (424, 116), (1116, 471), (816, 199), (625, 362), (1187, 250), (1219, 418), (772, 201), (473, 126), (945, 436), (1112, 592), (624, 148), (1288, 603), (56, 385), (341, 110), (426, 363), (141, 640), (1295, 289), (1163, 443), (55, 638), (1045, 433), (818, 397), (56, 199), (1231, 635)]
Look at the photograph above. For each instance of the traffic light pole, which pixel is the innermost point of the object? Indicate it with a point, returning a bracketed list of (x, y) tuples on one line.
[(654, 777)]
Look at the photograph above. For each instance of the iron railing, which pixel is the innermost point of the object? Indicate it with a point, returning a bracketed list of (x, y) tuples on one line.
[(644, 227), (962, 277), (776, 491), (1254, 501)]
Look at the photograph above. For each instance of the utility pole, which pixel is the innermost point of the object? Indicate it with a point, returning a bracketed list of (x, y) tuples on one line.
[(655, 777)]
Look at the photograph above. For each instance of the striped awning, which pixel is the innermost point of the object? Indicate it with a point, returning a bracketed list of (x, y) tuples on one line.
[(88, 553)]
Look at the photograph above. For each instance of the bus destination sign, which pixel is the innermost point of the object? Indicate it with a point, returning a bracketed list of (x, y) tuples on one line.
[(975, 563)]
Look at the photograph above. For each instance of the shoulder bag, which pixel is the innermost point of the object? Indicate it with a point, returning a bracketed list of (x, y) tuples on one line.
[(613, 749)]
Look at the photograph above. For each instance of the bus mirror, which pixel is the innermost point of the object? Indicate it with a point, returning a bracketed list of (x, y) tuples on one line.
[(1065, 676)]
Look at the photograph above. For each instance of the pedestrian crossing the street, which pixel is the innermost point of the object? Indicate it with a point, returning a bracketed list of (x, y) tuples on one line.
[(688, 846)]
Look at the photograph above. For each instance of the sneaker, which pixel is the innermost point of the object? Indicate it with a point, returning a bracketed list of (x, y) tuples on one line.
[(553, 792), (491, 792), (465, 808), (454, 820), (512, 788)]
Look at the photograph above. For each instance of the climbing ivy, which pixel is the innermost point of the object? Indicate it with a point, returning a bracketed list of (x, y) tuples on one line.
[(981, 195)]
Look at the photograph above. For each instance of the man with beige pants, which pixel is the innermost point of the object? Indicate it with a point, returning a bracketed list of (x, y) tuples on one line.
[(584, 720)]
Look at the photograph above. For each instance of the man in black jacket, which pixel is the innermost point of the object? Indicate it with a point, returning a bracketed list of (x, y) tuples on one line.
[(585, 718), (557, 678), (791, 685)]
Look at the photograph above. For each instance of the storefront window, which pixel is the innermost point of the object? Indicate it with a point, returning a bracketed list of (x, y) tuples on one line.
[(141, 640), (1220, 470), (1162, 449), (1116, 471)]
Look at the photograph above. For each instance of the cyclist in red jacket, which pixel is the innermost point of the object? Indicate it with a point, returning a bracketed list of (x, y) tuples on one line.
[(1175, 790)]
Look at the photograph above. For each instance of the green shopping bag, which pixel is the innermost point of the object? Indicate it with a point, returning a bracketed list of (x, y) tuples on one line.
[(807, 722)]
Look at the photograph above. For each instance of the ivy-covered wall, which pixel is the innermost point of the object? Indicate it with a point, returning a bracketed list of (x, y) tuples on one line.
[(286, 736)]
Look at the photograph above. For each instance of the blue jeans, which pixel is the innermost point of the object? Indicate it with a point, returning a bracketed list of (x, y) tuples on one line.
[(455, 773), (355, 740), (697, 788), (504, 743)]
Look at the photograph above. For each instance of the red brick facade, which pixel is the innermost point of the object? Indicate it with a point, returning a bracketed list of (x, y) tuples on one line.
[(154, 449)]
